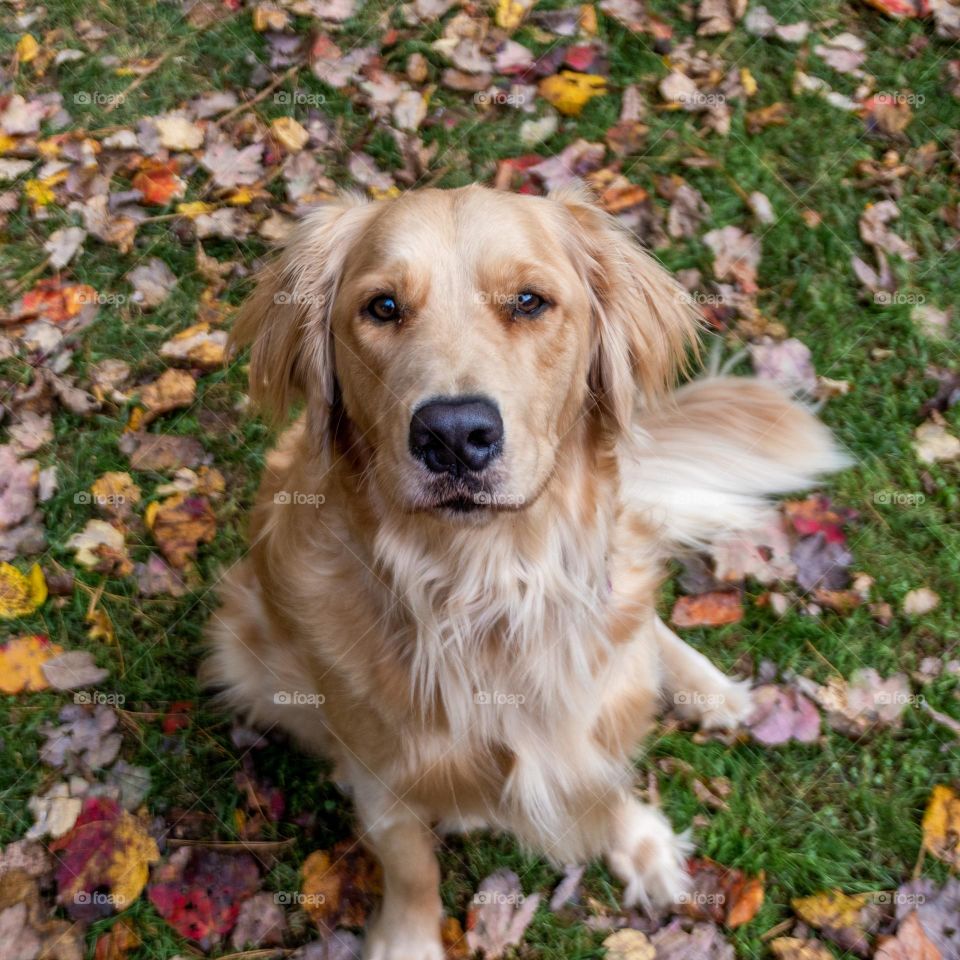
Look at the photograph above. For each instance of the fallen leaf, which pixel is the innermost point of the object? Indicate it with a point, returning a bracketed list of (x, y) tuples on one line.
[(178, 132), (735, 256), (910, 943), (198, 345), (722, 894), (152, 282), (161, 451), (231, 167), (941, 825), (866, 702), (27, 930), (71, 670), (159, 182), (100, 546), (339, 886), (921, 601), (821, 564), (63, 245), (54, 812), (103, 862), (21, 663), (843, 919), (199, 892), (84, 739), (261, 922), (793, 948), (20, 595), (117, 942), (707, 610), (781, 714), (179, 525), (703, 941), (157, 578), (290, 134), (498, 914), (788, 363), (875, 232), (629, 944), (115, 494), (934, 444), (172, 390), (570, 91)]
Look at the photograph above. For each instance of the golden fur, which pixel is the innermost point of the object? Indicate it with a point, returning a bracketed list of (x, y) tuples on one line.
[(498, 666)]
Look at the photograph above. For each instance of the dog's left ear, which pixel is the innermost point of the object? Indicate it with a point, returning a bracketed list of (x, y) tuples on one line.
[(645, 323)]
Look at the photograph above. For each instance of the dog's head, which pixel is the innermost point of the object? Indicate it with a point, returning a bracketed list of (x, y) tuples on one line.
[(462, 335)]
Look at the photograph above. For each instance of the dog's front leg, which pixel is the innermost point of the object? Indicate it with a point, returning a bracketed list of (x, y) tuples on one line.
[(407, 926), (698, 690)]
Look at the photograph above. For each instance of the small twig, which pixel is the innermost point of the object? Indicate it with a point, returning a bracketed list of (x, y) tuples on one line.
[(225, 846), (782, 927), (153, 68), (943, 719), (262, 95)]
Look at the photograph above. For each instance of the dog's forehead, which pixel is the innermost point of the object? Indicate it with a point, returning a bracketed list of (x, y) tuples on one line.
[(478, 225)]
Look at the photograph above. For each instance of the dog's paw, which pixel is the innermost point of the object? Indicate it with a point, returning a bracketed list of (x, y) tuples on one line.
[(398, 942), (729, 708), (725, 707), (649, 859)]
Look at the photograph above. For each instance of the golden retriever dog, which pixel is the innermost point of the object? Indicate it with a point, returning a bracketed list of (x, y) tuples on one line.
[(450, 590)]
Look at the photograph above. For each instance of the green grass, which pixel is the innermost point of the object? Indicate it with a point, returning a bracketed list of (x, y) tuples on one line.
[(843, 814)]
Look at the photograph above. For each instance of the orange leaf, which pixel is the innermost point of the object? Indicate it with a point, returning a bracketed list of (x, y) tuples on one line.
[(707, 610), (21, 662), (158, 182)]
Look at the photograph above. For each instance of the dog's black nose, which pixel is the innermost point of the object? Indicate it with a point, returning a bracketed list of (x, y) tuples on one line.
[(456, 435)]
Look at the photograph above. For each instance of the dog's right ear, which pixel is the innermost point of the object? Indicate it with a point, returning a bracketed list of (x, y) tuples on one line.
[(287, 319)]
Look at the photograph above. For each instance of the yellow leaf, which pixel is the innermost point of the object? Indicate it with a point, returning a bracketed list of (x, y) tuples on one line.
[(268, 17), (748, 81), (195, 209), (27, 48), (20, 595), (21, 660), (48, 148), (391, 193), (588, 19), (150, 514), (7, 143), (629, 944), (570, 91), (38, 193), (510, 14), (941, 825), (832, 908), (289, 133)]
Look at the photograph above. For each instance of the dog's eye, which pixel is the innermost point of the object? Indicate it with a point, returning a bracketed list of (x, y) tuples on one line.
[(384, 309), (527, 304)]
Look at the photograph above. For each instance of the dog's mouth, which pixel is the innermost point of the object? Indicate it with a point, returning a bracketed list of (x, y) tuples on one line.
[(466, 495)]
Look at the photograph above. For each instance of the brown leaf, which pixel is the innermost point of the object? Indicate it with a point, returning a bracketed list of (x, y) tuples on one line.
[(339, 886), (179, 525)]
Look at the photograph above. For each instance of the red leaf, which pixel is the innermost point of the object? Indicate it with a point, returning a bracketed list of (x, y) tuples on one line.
[(199, 892), (707, 610)]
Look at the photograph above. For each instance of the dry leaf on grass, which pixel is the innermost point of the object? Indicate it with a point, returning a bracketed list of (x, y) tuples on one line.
[(84, 740), (152, 282), (782, 714), (707, 610), (27, 931), (179, 525), (933, 443), (629, 944), (100, 546), (71, 670), (843, 919), (941, 825), (199, 892), (161, 451), (793, 948), (21, 594), (340, 885), (499, 914), (172, 390), (722, 894), (910, 943), (197, 345), (103, 862), (21, 663), (920, 601), (115, 494), (736, 256)]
